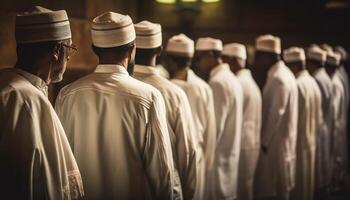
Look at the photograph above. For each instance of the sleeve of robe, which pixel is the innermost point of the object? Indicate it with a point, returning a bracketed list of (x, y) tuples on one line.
[(274, 113), (186, 148), (210, 132), (158, 159), (39, 159), (220, 106)]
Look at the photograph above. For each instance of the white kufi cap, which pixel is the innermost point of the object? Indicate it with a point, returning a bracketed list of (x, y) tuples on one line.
[(208, 43), (180, 45), (268, 43), (148, 35), (235, 50), (294, 54)]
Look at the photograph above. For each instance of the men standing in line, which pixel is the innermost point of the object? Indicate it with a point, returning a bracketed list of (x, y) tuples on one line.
[(228, 104), (275, 176), (179, 117), (235, 55), (116, 125), (309, 120), (179, 53), (36, 160), (316, 58)]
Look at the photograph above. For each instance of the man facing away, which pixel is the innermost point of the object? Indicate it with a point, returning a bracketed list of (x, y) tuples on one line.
[(275, 176), (36, 160), (235, 55), (115, 124), (179, 117), (228, 105), (179, 53), (309, 120)]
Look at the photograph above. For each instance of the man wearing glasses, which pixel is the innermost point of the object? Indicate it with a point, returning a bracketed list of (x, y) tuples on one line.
[(35, 156)]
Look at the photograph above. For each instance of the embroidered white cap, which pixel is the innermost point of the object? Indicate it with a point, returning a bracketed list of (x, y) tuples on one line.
[(294, 54), (268, 43), (314, 52), (342, 52), (208, 43), (148, 35), (180, 45), (42, 25), (333, 58), (112, 30), (236, 50)]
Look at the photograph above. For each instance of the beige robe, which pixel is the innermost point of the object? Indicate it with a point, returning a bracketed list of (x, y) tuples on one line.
[(309, 120), (36, 160), (180, 126), (201, 101), (275, 175), (228, 104), (117, 130), (250, 144)]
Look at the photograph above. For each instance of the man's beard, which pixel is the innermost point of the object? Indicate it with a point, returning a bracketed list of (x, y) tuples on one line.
[(130, 68), (57, 78)]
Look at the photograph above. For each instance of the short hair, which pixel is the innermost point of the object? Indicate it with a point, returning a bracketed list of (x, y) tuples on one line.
[(119, 52), (181, 61), (142, 54)]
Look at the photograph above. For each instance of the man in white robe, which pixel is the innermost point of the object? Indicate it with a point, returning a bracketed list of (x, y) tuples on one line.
[(235, 55), (309, 120), (228, 105), (115, 124), (316, 58), (339, 147), (179, 53), (179, 117), (275, 176), (35, 156)]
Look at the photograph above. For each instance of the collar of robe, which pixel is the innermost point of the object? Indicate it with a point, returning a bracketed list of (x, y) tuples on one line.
[(34, 80), (143, 69), (301, 73), (244, 72), (218, 68), (111, 69), (275, 67)]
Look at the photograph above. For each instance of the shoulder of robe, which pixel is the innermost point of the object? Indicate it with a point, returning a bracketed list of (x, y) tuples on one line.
[(135, 90), (18, 90)]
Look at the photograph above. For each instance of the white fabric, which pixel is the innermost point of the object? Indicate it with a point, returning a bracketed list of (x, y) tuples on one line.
[(235, 50), (201, 101), (324, 138), (228, 104), (279, 133), (208, 43), (268, 43), (36, 160), (251, 127), (148, 35), (342, 52), (112, 30), (180, 125), (309, 120), (41, 25), (117, 129), (339, 131), (294, 54), (316, 53), (180, 45)]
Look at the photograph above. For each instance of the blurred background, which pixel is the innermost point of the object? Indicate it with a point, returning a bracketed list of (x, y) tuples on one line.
[(297, 22)]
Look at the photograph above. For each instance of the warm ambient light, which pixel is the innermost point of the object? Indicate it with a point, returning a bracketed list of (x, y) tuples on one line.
[(186, 1)]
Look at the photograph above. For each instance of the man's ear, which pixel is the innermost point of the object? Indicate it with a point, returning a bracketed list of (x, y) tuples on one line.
[(56, 51)]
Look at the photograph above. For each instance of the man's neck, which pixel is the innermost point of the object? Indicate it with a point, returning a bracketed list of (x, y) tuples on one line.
[(147, 62), (40, 70), (181, 74)]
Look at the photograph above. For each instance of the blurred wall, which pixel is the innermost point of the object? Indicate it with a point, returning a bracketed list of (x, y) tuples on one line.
[(297, 22)]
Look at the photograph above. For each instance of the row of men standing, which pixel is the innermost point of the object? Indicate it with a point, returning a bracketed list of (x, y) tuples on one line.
[(196, 136)]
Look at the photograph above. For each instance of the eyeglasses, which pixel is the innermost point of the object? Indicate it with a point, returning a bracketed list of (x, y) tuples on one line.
[(71, 49)]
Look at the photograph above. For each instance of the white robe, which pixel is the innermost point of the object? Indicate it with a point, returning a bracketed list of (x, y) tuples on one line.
[(180, 126), (339, 146), (275, 174), (324, 137), (201, 101), (228, 104), (250, 144), (36, 160), (117, 130), (309, 120)]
